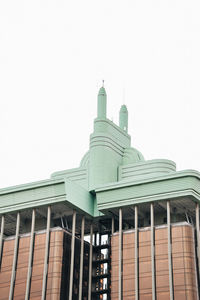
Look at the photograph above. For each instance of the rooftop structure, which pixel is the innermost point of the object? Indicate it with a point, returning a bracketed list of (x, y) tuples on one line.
[(114, 191)]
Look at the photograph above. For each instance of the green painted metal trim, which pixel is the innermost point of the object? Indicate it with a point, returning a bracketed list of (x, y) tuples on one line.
[(30, 185), (32, 204), (125, 183), (48, 192), (148, 199), (186, 183), (33, 195)]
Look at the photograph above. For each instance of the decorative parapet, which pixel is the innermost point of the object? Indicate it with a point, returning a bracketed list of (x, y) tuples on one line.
[(146, 169)]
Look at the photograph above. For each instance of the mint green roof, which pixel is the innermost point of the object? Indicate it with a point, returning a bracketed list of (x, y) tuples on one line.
[(112, 174)]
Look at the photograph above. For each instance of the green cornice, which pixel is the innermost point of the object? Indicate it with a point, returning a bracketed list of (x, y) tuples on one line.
[(120, 184), (48, 192), (173, 185), (117, 194), (31, 185), (32, 195)]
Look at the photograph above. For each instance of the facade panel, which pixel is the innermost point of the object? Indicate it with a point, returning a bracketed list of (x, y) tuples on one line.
[(58, 267), (183, 262)]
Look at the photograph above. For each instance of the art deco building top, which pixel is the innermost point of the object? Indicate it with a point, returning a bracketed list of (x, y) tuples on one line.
[(111, 174)]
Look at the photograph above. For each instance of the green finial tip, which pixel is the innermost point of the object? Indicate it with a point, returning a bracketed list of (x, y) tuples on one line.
[(123, 118), (123, 108), (102, 91)]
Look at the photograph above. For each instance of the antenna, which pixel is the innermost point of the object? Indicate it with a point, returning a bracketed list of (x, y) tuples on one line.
[(123, 96), (103, 83)]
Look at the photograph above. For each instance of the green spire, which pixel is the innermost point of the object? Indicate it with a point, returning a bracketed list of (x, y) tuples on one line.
[(102, 102), (123, 118)]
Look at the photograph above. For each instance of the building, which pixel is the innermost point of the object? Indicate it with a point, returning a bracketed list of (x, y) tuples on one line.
[(116, 227)]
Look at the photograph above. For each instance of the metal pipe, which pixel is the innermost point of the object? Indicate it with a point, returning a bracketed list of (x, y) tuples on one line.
[(120, 255), (153, 273), (113, 224), (90, 264), (72, 256), (16, 248), (198, 237), (81, 258), (171, 286), (1, 237), (95, 239), (46, 257), (99, 230), (30, 261), (136, 256)]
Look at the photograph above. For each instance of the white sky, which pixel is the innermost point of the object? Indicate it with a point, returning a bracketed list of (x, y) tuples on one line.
[(53, 56)]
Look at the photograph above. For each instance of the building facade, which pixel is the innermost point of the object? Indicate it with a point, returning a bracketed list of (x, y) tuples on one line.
[(116, 227)]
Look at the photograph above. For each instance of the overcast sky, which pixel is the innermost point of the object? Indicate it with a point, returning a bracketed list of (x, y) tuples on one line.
[(53, 57)]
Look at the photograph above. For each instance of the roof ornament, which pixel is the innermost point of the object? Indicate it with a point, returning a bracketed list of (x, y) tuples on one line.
[(123, 118), (102, 101)]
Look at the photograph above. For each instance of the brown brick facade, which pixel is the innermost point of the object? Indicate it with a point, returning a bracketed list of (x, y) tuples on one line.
[(183, 259)]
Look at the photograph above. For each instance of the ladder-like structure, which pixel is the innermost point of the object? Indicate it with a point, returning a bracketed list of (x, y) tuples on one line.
[(101, 276)]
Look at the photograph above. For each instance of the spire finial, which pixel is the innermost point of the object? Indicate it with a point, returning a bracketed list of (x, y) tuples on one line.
[(123, 118), (101, 109)]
